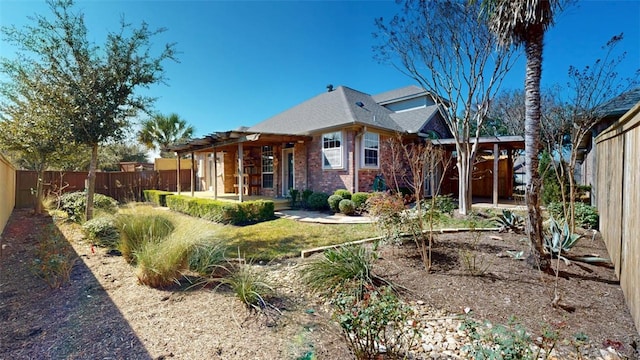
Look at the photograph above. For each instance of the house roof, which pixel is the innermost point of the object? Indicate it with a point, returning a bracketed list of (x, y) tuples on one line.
[(340, 107), (345, 106), (620, 104), (405, 93)]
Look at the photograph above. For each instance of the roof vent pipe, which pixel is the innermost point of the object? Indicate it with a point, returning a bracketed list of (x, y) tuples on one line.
[(330, 88)]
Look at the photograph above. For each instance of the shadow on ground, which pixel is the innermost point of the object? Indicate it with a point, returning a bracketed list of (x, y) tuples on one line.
[(76, 321)]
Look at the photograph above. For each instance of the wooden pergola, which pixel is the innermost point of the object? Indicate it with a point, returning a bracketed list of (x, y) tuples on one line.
[(219, 141), (495, 144)]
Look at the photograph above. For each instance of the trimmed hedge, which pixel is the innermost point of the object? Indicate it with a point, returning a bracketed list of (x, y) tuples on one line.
[(158, 197), (244, 213)]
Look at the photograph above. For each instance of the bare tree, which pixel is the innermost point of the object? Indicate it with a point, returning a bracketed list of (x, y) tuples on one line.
[(570, 121), (448, 49)]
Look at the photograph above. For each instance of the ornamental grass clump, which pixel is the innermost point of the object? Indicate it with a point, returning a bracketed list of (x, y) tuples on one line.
[(249, 286), (344, 269), (207, 256), (139, 228)]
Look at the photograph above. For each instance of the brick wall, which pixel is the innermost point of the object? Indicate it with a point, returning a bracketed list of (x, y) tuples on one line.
[(321, 180)]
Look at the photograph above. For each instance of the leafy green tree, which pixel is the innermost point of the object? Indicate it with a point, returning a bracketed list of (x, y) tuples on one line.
[(161, 131), (524, 23), (30, 124), (95, 86)]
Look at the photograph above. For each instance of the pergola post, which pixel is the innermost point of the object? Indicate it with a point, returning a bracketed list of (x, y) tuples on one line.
[(240, 172), (496, 159), (193, 174), (215, 175), (178, 175)]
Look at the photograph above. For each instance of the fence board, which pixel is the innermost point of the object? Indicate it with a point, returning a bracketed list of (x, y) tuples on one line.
[(122, 186)]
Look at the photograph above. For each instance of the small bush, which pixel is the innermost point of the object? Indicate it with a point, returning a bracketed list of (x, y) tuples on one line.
[(343, 193), (387, 208), (347, 207), (295, 195), (586, 216), (54, 259), (318, 201), (158, 197), (136, 230), (305, 197), (75, 204), (445, 204), (380, 318), (334, 201), (359, 200), (102, 231)]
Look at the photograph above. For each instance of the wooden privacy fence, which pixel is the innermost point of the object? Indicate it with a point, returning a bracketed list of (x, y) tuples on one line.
[(8, 187), (618, 199), (122, 186)]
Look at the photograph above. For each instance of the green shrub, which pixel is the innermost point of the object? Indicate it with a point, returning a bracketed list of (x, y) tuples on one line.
[(334, 201), (158, 197), (343, 193), (206, 257), (347, 207), (586, 216), (75, 204), (444, 204), (318, 201), (247, 212), (506, 342), (102, 231), (379, 318), (294, 194), (347, 268), (387, 209), (136, 230), (54, 258), (360, 199), (305, 197)]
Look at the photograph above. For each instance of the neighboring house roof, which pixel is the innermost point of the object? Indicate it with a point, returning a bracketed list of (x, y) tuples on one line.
[(345, 106), (620, 104)]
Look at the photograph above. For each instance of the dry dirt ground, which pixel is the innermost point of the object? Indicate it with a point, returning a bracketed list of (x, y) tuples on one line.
[(102, 313)]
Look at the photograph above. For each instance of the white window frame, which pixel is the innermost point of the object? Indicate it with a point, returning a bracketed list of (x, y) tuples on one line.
[(263, 165), (332, 151), (365, 148)]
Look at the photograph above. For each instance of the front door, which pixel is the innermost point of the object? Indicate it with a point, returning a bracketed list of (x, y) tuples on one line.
[(287, 171)]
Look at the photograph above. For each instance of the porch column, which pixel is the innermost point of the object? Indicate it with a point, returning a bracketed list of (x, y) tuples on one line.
[(215, 174), (496, 159), (509, 173), (240, 171), (193, 173), (178, 175)]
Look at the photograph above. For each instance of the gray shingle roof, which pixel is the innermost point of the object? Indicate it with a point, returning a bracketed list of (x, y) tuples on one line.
[(413, 121), (620, 104), (406, 92), (330, 109)]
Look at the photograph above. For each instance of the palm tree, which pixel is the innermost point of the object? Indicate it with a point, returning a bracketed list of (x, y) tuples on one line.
[(523, 23), (161, 131)]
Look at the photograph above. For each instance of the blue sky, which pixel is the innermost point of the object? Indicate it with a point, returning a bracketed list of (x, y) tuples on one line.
[(243, 62)]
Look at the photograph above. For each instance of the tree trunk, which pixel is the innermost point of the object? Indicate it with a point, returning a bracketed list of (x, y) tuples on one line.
[(91, 186), (464, 181), (533, 49), (38, 206)]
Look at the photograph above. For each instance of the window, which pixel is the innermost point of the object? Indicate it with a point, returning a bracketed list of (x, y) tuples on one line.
[(370, 149), (267, 167), (332, 150)]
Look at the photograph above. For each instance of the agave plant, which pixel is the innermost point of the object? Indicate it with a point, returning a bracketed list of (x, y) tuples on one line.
[(508, 221), (560, 239)]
